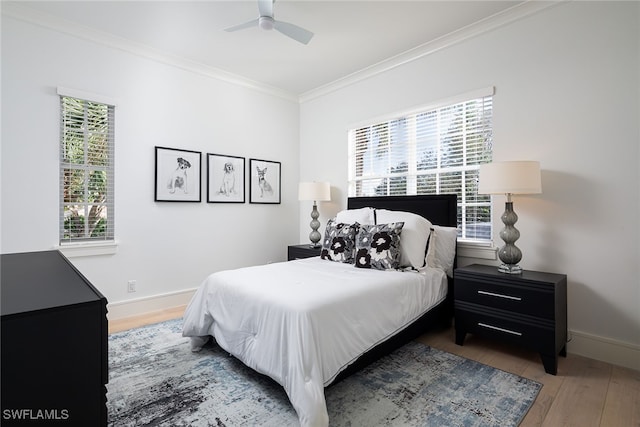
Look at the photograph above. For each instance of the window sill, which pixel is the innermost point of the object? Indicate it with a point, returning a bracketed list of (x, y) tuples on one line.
[(75, 250), (477, 250)]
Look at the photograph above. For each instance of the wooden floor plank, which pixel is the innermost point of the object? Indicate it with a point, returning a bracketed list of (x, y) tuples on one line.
[(550, 386), (622, 407), (538, 411), (581, 398)]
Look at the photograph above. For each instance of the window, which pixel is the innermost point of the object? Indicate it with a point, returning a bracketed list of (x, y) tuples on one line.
[(435, 150), (86, 170)]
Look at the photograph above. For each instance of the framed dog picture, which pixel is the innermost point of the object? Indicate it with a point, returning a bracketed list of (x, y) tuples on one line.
[(225, 179), (264, 185), (178, 175)]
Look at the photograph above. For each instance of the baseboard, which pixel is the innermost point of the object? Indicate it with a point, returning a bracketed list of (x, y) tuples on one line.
[(138, 306), (605, 349)]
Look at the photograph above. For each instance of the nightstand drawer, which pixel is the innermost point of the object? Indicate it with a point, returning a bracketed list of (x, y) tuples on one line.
[(519, 298), (527, 331), (302, 251)]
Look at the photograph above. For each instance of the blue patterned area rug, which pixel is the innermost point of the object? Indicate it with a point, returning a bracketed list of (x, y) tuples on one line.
[(155, 379)]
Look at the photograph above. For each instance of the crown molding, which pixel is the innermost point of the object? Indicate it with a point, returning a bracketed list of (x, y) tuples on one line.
[(490, 23), (32, 16), (515, 13)]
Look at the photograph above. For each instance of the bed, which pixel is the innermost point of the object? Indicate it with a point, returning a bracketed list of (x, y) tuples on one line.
[(309, 323)]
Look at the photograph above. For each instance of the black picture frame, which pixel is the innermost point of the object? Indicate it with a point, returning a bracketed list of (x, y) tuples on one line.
[(178, 175), (264, 181), (225, 178)]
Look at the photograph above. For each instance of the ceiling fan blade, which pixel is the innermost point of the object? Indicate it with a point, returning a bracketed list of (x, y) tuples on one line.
[(265, 7), (250, 24), (293, 31)]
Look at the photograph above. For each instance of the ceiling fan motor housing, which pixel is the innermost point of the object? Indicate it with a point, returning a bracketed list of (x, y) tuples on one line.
[(266, 22)]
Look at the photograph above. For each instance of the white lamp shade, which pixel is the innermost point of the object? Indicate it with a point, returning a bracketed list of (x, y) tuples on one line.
[(316, 191), (513, 177)]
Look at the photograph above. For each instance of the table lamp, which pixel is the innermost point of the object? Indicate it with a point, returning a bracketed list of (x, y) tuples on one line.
[(512, 177), (318, 192)]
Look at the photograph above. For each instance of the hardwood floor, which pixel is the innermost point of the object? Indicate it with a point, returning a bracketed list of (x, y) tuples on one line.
[(585, 392)]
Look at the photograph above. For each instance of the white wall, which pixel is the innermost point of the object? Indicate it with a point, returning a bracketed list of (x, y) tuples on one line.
[(165, 247), (567, 94)]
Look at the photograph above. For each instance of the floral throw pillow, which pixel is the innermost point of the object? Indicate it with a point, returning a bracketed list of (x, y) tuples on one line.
[(339, 241), (378, 246)]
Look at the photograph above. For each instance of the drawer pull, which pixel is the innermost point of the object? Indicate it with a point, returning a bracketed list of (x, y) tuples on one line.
[(491, 294), (484, 325)]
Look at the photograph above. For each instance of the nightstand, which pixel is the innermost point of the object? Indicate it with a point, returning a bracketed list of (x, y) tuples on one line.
[(528, 309), (302, 251)]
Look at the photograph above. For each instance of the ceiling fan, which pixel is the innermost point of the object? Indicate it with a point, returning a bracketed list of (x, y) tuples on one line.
[(266, 22)]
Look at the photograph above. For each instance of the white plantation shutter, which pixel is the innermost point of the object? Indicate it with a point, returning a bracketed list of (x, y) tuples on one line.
[(434, 150), (86, 170)]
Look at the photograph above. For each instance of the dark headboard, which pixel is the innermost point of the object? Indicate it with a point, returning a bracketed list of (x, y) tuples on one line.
[(440, 209)]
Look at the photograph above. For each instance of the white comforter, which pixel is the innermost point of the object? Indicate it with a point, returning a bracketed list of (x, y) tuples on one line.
[(302, 322)]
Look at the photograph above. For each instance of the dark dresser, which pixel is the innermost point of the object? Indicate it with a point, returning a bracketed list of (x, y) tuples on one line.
[(528, 309), (54, 362)]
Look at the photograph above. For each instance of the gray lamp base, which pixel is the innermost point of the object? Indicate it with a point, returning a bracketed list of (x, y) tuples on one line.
[(509, 254), (314, 236)]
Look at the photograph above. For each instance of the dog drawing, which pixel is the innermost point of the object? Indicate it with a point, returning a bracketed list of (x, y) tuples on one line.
[(178, 179), (264, 185), (228, 185)]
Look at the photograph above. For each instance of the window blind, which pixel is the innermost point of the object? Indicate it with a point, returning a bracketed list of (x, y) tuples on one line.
[(86, 170), (435, 150)]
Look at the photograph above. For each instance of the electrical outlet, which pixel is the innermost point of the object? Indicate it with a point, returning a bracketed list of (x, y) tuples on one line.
[(131, 286)]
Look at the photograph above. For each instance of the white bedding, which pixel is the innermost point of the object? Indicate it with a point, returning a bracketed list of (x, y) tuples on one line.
[(302, 322)]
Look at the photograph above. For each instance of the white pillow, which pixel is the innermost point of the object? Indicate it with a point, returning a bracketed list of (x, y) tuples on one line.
[(362, 216), (442, 248), (414, 237)]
